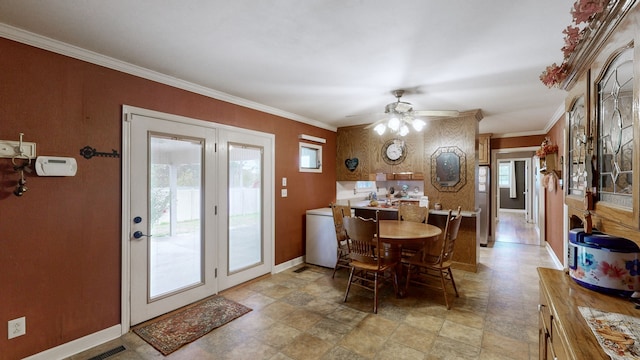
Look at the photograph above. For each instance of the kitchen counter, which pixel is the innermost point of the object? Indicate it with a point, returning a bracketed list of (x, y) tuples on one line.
[(364, 205)]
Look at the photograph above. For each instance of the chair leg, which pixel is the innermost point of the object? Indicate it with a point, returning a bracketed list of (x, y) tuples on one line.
[(444, 289), (453, 282), (338, 258), (349, 284), (375, 293)]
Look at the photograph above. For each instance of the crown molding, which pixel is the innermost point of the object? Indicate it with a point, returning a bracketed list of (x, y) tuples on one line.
[(59, 47), (557, 115)]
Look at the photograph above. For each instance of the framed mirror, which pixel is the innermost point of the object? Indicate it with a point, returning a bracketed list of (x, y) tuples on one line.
[(448, 168)]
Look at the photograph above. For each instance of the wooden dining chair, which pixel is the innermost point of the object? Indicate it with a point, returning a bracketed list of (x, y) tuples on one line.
[(424, 265), (368, 260), (342, 258), (410, 211)]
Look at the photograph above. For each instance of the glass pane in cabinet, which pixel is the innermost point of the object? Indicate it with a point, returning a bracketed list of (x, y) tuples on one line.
[(615, 129), (577, 149)]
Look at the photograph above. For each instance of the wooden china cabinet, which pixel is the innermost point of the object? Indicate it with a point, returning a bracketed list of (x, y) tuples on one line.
[(602, 129), (601, 162)]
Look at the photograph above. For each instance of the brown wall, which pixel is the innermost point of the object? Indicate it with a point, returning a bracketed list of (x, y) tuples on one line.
[(60, 242), (554, 204)]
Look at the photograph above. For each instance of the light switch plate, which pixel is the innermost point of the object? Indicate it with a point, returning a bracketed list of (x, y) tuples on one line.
[(284, 192), (284, 181)]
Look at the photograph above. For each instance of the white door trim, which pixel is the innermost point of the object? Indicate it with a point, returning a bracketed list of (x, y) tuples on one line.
[(494, 184), (127, 112)]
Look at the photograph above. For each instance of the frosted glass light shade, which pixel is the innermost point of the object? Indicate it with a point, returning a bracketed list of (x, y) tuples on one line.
[(418, 124)]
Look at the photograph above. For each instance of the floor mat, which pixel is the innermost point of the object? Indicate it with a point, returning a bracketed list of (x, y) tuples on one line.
[(168, 333)]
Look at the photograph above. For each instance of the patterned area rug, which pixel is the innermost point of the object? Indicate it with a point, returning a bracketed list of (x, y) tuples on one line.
[(168, 333)]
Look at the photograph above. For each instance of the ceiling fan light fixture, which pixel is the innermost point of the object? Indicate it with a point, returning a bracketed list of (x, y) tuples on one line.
[(403, 107), (380, 129), (418, 124), (400, 117)]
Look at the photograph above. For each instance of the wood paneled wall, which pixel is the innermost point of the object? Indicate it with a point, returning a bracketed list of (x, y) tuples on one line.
[(365, 144)]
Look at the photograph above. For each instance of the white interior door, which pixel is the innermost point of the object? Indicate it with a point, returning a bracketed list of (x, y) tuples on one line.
[(172, 246)]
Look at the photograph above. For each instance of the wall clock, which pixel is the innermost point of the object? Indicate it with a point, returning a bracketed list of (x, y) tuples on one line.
[(393, 152)]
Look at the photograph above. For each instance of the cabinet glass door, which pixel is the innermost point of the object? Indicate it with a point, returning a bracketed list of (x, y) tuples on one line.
[(577, 149), (615, 131)]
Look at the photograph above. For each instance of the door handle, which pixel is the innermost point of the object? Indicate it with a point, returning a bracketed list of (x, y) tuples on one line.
[(138, 234)]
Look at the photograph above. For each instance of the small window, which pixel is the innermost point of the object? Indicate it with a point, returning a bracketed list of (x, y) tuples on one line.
[(504, 175), (310, 158), (365, 186)]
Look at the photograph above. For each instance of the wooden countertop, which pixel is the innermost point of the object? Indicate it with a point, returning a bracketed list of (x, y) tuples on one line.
[(565, 295)]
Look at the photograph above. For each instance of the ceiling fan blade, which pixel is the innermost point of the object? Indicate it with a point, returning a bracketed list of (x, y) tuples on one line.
[(365, 115), (436, 113), (375, 124)]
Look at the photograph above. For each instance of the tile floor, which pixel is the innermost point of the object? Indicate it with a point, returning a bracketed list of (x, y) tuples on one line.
[(302, 316)]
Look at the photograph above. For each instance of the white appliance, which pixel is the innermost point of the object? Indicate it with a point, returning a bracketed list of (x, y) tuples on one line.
[(603, 262), (56, 166), (482, 203), (321, 238)]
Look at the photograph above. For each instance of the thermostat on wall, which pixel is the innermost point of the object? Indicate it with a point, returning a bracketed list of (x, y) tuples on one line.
[(56, 166)]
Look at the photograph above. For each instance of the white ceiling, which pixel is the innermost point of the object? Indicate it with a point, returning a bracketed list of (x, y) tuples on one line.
[(323, 60)]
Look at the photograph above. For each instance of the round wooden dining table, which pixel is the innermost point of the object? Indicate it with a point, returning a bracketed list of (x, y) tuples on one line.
[(398, 233)]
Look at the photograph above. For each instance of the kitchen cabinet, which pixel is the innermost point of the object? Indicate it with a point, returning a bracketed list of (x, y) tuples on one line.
[(396, 176), (552, 344), (563, 332), (353, 147), (484, 149)]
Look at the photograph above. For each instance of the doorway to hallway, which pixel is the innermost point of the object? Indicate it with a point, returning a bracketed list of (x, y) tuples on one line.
[(513, 227)]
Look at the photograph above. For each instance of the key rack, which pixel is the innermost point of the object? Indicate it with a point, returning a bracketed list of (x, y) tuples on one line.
[(17, 149)]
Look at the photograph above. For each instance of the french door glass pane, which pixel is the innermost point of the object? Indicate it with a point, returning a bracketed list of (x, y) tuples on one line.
[(175, 193), (245, 207)]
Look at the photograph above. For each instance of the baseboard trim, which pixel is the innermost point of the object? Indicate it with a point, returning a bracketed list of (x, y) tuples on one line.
[(555, 259), (79, 345), (288, 264)]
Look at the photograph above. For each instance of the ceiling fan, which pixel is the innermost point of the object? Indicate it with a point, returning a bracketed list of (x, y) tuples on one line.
[(401, 116)]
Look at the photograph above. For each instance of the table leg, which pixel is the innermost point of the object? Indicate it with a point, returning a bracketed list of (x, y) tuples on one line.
[(394, 252)]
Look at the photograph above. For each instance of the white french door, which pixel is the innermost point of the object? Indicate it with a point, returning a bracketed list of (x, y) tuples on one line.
[(246, 229), (172, 199), (197, 210)]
